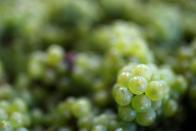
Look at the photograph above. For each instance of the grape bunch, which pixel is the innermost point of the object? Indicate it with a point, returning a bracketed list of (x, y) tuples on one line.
[(145, 92)]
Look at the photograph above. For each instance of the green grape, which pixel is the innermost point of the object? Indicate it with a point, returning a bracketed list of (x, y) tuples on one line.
[(81, 107), (180, 85), (142, 70), (140, 103), (126, 113), (121, 95), (36, 70), (170, 107), (155, 90), (146, 118), (55, 55), (108, 119), (137, 85), (123, 78), (167, 75)]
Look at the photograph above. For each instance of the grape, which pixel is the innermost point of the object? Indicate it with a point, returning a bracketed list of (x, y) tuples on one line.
[(140, 103), (54, 55), (142, 70), (146, 118), (170, 107), (81, 108), (126, 113), (121, 95), (123, 78), (180, 85), (36, 70), (137, 85), (155, 90)]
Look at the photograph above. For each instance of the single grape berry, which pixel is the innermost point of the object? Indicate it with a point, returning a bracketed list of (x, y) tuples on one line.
[(140, 103), (121, 95), (137, 85)]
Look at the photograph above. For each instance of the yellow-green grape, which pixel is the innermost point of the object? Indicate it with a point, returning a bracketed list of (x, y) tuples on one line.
[(126, 113), (123, 78), (121, 95), (142, 70), (155, 90), (55, 55), (36, 70), (137, 85), (170, 107), (140, 103), (167, 75), (81, 107), (180, 85), (146, 118)]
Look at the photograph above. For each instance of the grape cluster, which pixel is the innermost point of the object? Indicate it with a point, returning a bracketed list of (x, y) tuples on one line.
[(14, 115), (144, 92)]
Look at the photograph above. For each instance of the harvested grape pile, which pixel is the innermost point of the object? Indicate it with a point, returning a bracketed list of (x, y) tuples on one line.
[(97, 65)]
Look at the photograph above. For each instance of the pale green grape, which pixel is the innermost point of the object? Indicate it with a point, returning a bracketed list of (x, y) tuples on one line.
[(137, 85), (155, 90), (140, 103), (55, 55), (142, 70), (126, 113), (123, 78), (146, 118), (121, 95), (170, 107)]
